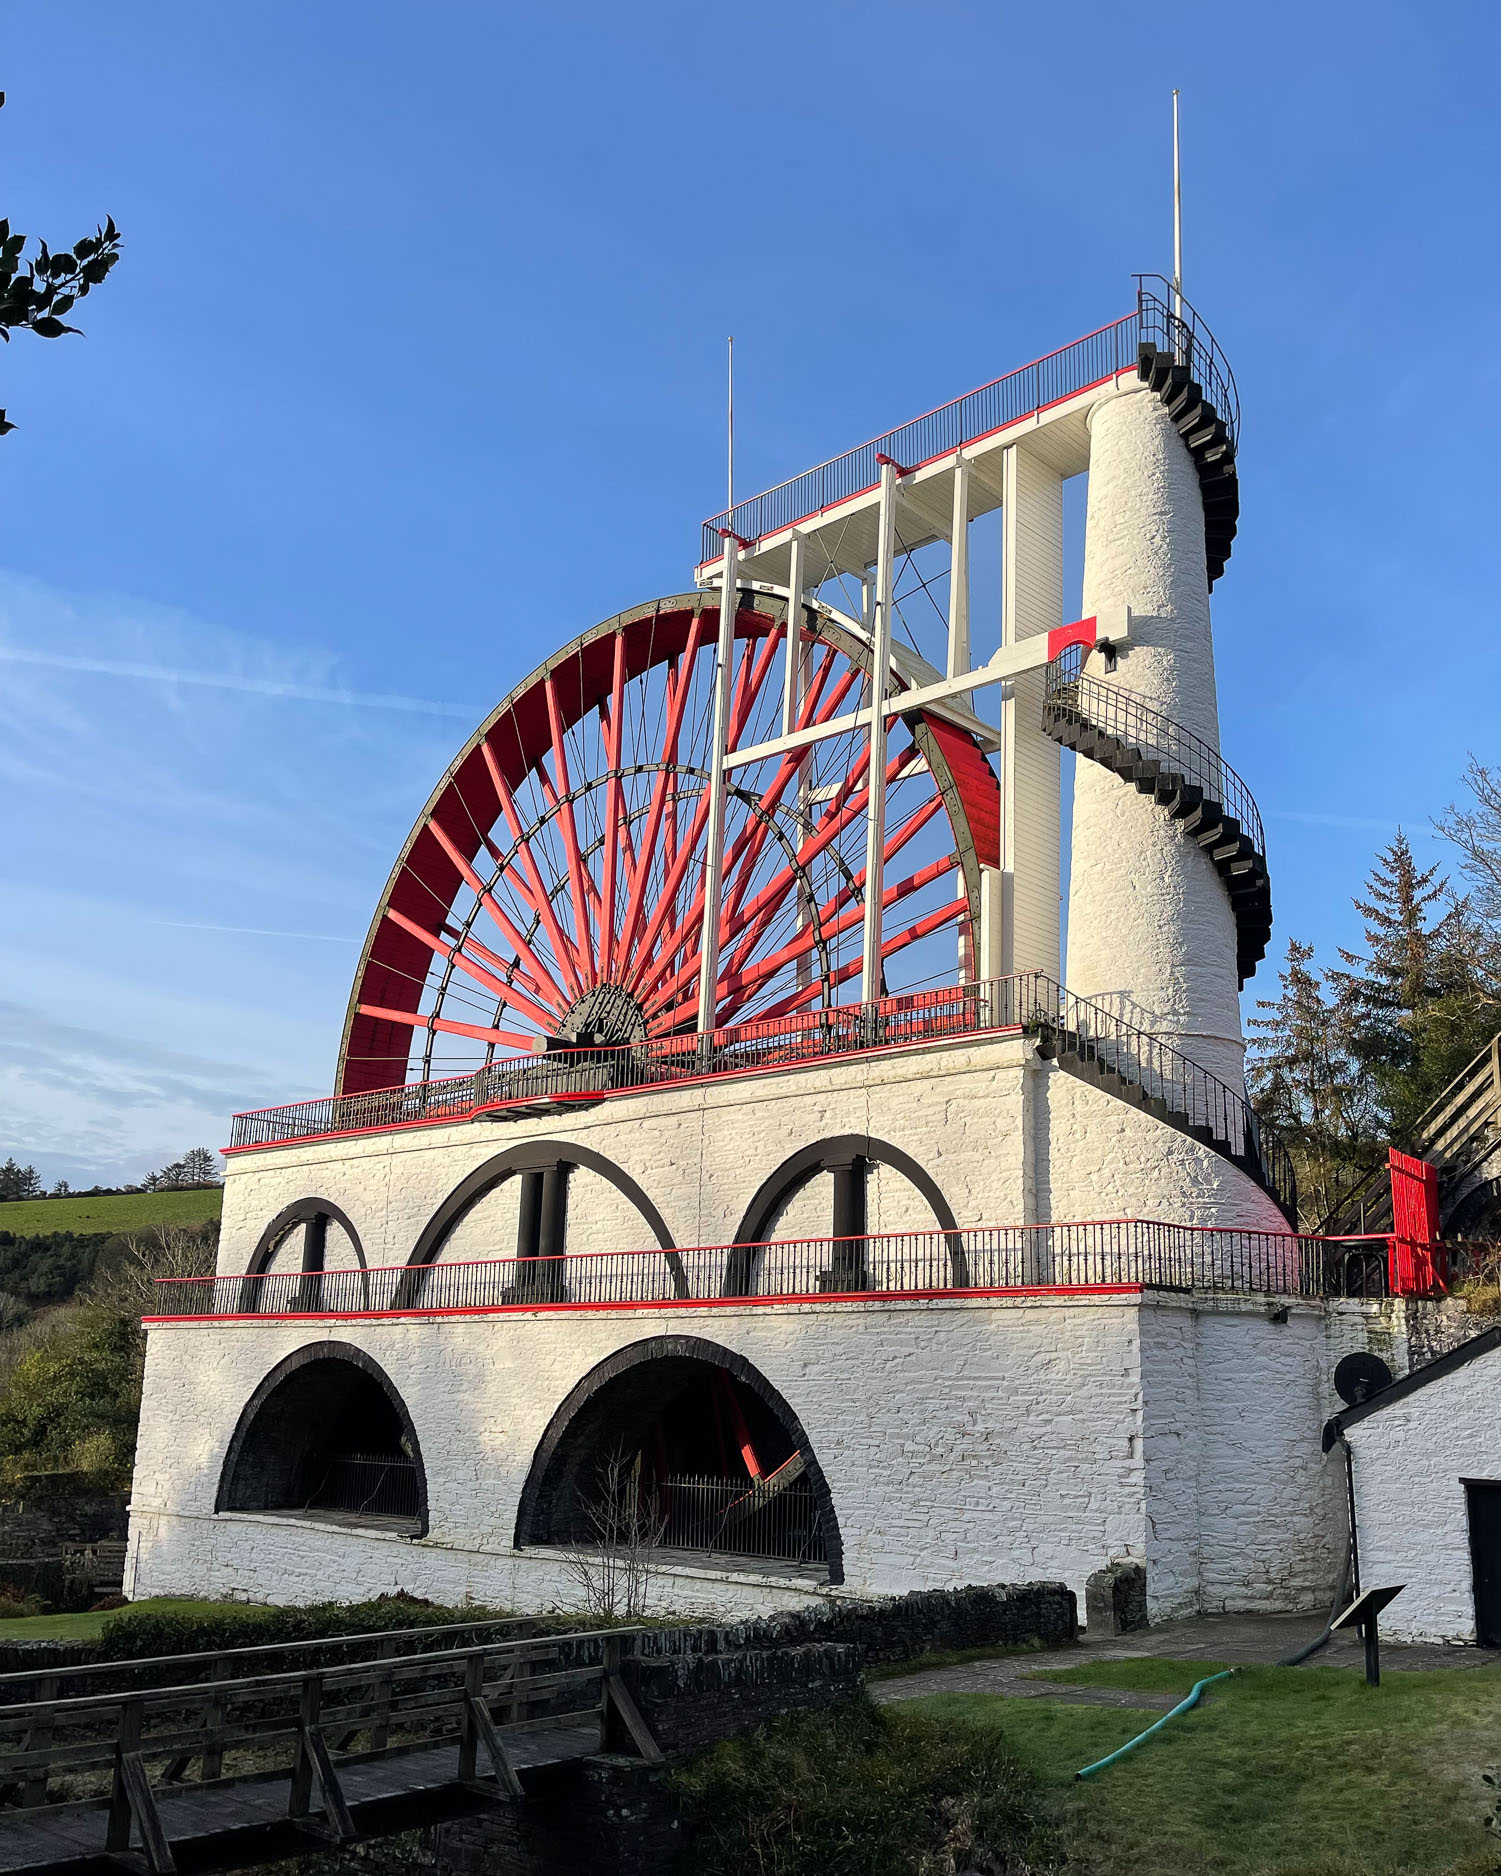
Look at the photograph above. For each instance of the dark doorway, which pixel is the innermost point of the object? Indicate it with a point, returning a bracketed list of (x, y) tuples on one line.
[(1484, 1498), (706, 1459), (327, 1436)]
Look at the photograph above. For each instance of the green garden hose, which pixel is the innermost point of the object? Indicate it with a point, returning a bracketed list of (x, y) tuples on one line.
[(1191, 1700)]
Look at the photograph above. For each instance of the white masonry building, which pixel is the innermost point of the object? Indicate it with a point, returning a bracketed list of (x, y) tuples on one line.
[(721, 1133)]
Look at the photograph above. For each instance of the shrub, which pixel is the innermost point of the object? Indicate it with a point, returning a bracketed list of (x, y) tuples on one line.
[(134, 1634), (50, 1266), (858, 1790), (71, 1402)]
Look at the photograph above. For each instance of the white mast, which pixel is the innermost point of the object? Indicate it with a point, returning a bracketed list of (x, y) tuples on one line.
[(730, 423), (1177, 215)]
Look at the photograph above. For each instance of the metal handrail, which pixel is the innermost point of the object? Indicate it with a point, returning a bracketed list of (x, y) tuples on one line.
[(1162, 319), (1119, 714), (1106, 1254), (1167, 321), (1090, 360), (1029, 1002)]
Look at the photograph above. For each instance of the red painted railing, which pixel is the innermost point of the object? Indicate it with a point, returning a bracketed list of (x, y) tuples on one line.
[(1113, 1254)]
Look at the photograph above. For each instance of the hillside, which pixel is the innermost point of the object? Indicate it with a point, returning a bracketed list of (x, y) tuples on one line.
[(129, 1211)]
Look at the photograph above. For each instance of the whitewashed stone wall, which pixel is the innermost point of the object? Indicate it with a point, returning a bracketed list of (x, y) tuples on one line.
[(1246, 1512), (974, 1440), (962, 1442), (1008, 1140), (1150, 930), (1411, 1458)]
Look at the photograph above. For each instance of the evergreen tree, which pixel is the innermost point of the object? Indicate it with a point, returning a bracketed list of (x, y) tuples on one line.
[(1424, 998), (1302, 1077), (19, 1182), (200, 1166)]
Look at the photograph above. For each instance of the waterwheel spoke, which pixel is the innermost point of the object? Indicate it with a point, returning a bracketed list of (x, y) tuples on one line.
[(612, 810), (679, 683), (568, 828), (935, 921), (471, 967), (533, 890), (445, 1025), (535, 971)]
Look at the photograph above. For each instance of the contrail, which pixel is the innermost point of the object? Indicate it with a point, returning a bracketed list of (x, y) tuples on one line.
[(254, 931), (255, 686)]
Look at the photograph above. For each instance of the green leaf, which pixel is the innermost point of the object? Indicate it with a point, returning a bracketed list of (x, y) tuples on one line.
[(5, 428), (84, 248), (50, 328), (61, 265), (111, 232), (65, 304), (94, 271)]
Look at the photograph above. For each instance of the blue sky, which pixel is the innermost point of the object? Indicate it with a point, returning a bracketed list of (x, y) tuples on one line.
[(413, 370)]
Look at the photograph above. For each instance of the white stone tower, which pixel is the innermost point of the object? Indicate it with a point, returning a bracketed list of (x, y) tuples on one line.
[(1151, 931)]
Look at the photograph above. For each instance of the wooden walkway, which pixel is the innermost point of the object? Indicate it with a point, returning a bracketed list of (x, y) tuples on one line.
[(316, 1753), (209, 1824)]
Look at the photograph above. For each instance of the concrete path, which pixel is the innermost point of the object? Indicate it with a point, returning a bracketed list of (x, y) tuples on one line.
[(1233, 1639)]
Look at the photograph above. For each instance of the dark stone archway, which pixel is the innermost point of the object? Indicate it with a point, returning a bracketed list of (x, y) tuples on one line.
[(328, 1412), (848, 1157), (613, 1408), (315, 1214), (543, 1167)]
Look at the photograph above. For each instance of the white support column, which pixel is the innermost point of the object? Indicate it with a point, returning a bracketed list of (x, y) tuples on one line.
[(959, 655), (1031, 602), (880, 670), (724, 660), (792, 693)]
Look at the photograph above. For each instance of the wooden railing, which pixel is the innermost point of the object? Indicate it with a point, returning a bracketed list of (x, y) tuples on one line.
[(133, 1744)]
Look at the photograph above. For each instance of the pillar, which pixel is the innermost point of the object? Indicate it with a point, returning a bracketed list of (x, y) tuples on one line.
[(1031, 602), (1150, 930)]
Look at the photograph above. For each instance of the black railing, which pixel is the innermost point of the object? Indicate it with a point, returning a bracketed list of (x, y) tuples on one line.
[(1161, 319), (568, 1076), (1109, 710), (740, 1518), (564, 1077), (373, 1485), (1107, 1254), (1089, 1038), (1166, 321), (1087, 361)]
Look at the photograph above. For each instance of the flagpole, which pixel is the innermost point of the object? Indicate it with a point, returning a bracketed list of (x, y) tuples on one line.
[(730, 427), (1177, 214)]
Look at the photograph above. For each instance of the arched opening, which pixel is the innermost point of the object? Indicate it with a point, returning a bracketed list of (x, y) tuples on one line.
[(303, 1243), (873, 1202), (567, 1199), (683, 1446), (327, 1437)]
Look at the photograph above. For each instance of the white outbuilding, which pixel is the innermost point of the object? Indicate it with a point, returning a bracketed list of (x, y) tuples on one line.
[(1425, 1470)]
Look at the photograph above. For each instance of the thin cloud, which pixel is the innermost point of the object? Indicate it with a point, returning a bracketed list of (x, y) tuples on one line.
[(255, 931), (253, 686), (1332, 820)]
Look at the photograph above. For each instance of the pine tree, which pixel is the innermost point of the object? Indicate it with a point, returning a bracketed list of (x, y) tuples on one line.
[(1424, 998), (19, 1182), (200, 1167), (1303, 1080)]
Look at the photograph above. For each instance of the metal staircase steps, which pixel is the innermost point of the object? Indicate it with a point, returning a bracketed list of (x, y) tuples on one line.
[(1209, 442), (1097, 721)]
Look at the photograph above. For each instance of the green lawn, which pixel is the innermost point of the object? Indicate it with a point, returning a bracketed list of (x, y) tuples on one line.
[(86, 1627), (129, 1211), (1280, 1772)]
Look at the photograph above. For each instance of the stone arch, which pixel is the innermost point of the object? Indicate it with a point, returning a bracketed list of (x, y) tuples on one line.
[(550, 1160), (616, 1401), (316, 1213), (843, 1155), (286, 1441)]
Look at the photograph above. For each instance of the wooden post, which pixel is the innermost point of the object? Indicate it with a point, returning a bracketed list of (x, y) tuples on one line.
[(212, 1763), (300, 1795), (38, 1737), (474, 1687)]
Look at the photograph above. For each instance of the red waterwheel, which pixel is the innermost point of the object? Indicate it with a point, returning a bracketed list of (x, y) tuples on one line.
[(553, 885)]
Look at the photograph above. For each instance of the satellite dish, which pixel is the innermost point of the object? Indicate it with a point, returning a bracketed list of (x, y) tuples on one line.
[(1359, 1376)]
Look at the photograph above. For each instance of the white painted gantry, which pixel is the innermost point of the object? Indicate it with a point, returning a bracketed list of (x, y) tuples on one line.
[(1008, 446)]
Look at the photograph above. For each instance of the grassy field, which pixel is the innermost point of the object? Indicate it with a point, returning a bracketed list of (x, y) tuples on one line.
[(1281, 1772), (86, 1627), (130, 1211)]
